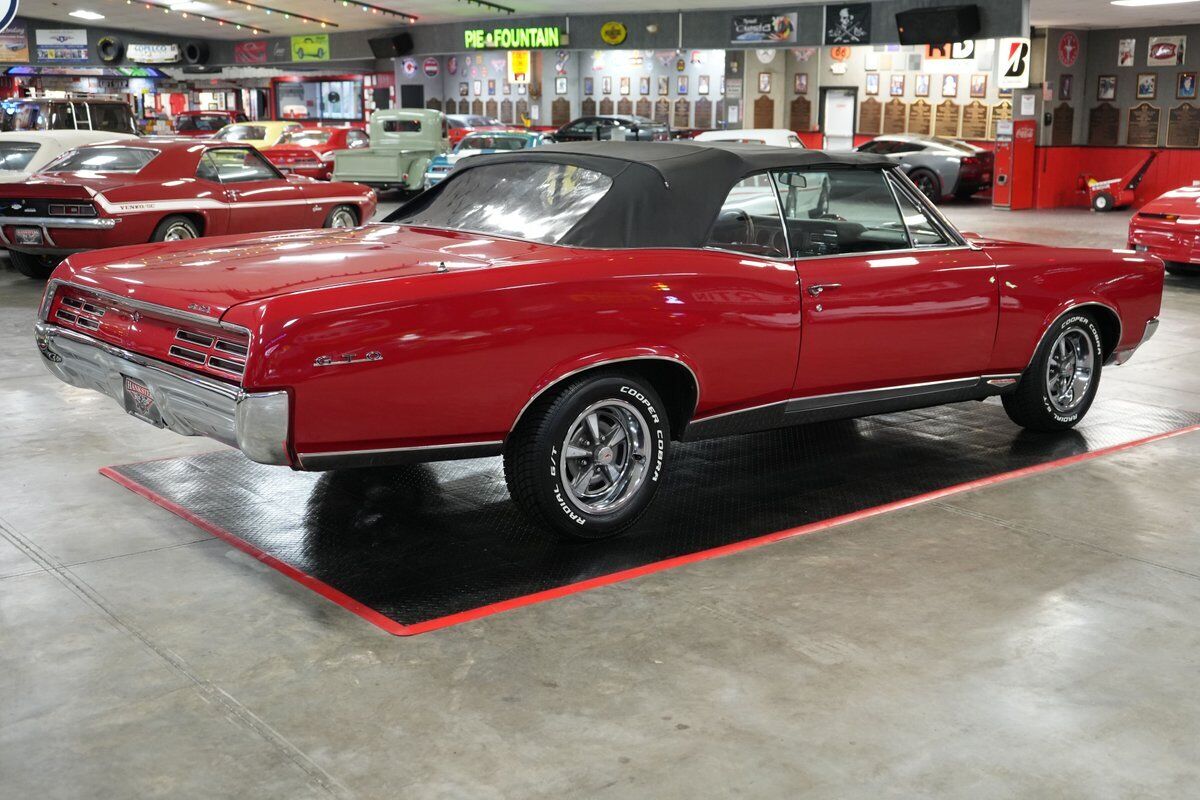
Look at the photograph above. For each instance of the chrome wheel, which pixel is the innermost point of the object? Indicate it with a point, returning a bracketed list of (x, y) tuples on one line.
[(1069, 369), (928, 185), (342, 218), (178, 231), (604, 456)]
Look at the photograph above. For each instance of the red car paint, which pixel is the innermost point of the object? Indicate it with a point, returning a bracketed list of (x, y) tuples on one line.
[(469, 328), (313, 160), (168, 185), (1169, 227), (201, 123)]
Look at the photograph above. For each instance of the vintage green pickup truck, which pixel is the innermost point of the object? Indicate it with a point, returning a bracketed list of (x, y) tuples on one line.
[(403, 143)]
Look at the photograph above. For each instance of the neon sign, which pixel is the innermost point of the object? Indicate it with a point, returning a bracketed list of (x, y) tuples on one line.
[(512, 38)]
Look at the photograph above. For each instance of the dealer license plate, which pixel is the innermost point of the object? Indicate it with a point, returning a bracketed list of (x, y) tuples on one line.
[(27, 235), (140, 403)]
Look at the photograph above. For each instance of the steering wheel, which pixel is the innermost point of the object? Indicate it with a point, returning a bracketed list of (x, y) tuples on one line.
[(748, 221)]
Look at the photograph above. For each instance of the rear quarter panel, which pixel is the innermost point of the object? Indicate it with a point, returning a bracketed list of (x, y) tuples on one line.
[(465, 350), (1039, 284)]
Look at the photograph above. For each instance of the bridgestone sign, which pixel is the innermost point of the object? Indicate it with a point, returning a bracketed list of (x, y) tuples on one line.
[(512, 38)]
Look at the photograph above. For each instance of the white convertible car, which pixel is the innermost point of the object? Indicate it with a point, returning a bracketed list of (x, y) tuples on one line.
[(25, 152)]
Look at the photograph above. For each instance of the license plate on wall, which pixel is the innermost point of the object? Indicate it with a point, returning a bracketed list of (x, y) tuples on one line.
[(27, 235)]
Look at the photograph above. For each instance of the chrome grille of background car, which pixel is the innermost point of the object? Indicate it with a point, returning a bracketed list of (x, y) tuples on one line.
[(202, 349)]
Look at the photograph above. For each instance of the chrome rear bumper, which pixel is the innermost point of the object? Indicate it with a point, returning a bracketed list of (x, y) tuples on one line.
[(254, 422), (1121, 356)]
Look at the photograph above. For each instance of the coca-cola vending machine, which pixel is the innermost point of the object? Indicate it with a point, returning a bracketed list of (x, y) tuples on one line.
[(1013, 178)]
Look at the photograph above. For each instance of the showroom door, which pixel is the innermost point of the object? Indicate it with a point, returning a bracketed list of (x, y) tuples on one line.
[(877, 311), (838, 107)]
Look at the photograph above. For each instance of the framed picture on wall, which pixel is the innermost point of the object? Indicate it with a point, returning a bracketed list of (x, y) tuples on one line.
[(1106, 87), (979, 85), (560, 84), (1125, 52), (702, 84), (681, 84), (664, 85), (463, 91), (1066, 87), (644, 84), (507, 88), (921, 85), (606, 85), (624, 85), (800, 83), (589, 85), (1147, 86), (872, 85), (1185, 86), (949, 85), (896, 88), (491, 86), (764, 83), (522, 88), (477, 87)]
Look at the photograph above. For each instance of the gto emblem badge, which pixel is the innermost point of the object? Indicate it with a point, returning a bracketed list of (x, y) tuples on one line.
[(347, 358), (202, 309)]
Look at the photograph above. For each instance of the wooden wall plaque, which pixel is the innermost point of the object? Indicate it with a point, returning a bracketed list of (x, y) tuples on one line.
[(703, 112), (477, 107), (1183, 126), (506, 111), (683, 114), (560, 112), (975, 121), (1062, 132), (606, 106), (895, 117), (947, 118), (662, 110), (764, 112), (1104, 123), (489, 109), (644, 108), (870, 116), (625, 106), (1144, 122), (920, 117), (434, 104), (1000, 111), (522, 111), (800, 117), (587, 108), (720, 111)]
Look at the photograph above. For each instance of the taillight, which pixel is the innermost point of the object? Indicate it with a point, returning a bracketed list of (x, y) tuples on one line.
[(72, 210)]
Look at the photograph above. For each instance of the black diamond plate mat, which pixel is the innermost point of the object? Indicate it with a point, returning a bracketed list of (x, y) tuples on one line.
[(423, 543)]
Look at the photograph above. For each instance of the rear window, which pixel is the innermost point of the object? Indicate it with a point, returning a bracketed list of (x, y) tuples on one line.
[(109, 158), (17, 155), (115, 117), (201, 122), (402, 126), (305, 138), (493, 143), (534, 201), (242, 133)]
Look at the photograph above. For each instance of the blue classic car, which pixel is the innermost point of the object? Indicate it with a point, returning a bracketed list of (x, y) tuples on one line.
[(476, 143)]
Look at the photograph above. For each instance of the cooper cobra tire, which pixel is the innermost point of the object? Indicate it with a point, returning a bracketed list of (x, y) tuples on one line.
[(1070, 353), (928, 182), (33, 266), (587, 461), (175, 229), (342, 217), (1102, 202)]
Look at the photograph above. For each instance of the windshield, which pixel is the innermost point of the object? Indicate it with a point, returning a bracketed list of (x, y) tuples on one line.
[(539, 202), (17, 155), (201, 122), (306, 138), (242, 133), (107, 158), (493, 143)]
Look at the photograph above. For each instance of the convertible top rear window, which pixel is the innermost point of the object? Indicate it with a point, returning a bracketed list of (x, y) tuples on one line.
[(539, 202), (106, 158)]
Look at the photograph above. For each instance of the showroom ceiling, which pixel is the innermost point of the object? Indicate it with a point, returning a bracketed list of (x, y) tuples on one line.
[(351, 15)]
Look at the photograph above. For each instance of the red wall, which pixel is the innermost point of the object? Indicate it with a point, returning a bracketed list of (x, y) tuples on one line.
[(1060, 168)]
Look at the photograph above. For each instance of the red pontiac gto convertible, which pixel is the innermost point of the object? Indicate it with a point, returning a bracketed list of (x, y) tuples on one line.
[(577, 308), (155, 190), (1169, 228)]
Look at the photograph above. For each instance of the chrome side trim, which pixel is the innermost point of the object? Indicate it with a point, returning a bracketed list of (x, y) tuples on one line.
[(841, 399), (342, 459), (60, 222), (594, 365)]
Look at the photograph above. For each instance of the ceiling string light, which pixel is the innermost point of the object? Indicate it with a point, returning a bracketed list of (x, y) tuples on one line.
[(368, 8), (254, 29), (499, 9), (289, 15)]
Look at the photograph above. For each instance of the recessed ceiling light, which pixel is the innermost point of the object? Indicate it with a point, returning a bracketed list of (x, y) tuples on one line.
[(1151, 2), (81, 14)]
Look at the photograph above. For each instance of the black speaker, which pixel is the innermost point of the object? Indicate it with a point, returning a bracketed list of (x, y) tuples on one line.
[(399, 45), (195, 52), (938, 25)]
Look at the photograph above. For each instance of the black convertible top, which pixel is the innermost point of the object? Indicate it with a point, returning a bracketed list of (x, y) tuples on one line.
[(664, 194)]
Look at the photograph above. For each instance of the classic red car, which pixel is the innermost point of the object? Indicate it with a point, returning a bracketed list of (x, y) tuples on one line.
[(205, 123), (459, 125), (309, 152), (1169, 228), (577, 308), (154, 190)]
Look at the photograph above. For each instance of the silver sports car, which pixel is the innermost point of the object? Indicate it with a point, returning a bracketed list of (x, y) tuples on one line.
[(939, 167)]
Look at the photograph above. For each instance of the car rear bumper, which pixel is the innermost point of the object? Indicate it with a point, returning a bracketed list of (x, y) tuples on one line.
[(59, 235), (1121, 356), (192, 405), (1168, 243)]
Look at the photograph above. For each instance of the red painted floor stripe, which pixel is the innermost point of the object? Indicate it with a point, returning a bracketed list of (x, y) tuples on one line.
[(391, 626)]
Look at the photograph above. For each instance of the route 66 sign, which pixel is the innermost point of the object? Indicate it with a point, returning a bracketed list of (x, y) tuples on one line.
[(8, 11)]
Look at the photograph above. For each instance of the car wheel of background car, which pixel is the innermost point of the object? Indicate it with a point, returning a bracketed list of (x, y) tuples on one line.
[(1057, 389), (1176, 268), (1102, 202), (964, 194), (175, 229), (927, 182), (33, 266), (342, 217), (587, 460)]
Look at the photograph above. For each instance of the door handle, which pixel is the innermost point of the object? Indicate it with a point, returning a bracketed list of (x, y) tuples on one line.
[(816, 289)]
